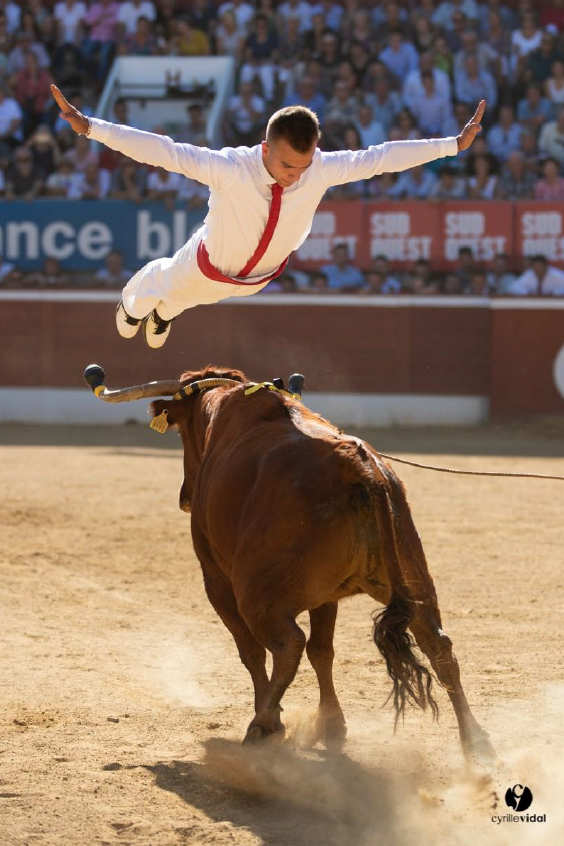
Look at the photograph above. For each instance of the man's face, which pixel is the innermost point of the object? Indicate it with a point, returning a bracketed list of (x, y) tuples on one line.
[(283, 163), (540, 269)]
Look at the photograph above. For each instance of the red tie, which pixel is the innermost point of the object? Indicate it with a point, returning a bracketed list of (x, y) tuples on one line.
[(266, 238)]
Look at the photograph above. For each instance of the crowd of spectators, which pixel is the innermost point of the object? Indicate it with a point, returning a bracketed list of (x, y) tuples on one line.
[(373, 71)]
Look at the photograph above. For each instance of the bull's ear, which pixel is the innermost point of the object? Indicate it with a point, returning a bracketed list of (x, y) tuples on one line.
[(165, 414)]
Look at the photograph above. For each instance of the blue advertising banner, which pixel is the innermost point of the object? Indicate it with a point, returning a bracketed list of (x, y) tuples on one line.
[(80, 234)]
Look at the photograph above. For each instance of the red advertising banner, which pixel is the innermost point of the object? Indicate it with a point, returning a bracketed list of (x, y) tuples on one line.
[(539, 228), (487, 228), (403, 232), (333, 223)]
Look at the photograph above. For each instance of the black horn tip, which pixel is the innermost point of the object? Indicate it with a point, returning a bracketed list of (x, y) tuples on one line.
[(94, 376), (296, 383)]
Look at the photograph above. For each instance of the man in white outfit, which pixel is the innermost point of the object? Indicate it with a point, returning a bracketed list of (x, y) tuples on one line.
[(261, 206)]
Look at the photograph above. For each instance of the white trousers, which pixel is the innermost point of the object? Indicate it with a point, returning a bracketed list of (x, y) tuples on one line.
[(171, 285)]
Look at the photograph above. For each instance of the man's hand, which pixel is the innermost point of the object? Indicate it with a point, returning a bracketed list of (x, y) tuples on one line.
[(77, 120), (466, 137)]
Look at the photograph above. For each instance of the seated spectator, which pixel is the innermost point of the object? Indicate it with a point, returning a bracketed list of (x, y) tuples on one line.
[(14, 279), (25, 45), (391, 284), (69, 70), (70, 16), (163, 186), (318, 282), (478, 284), (329, 59), (284, 284), (229, 36), (550, 189), (424, 35), (405, 127), (500, 277), (516, 182), (99, 46), (24, 180), (540, 60), (195, 131), (114, 274), (141, 43), (342, 275), (551, 139), (474, 84), (83, 154), (128, 182), (534, 110), (341, 112), (453, 286), (331, 12), (375, 283), (527, 37), (306, 94), (11, 117), (378, 187), (554, 85), (62, 182), (400, 56), (110, 159), (370, 130), (482, 185), (464, 272), (442, 57), (488, 58), (445, 12), (497, 34), (539, 280), (421, 282), (243, 11), (505, 136), (93, 183), (454, 36), (129, 14), (530, 151), (188, 41), (51, 275), (432, 110), (413, 87), (12, 12), (32, 92), (313, 37), (203, 15), (244, 116), (449, 185), (417, 183), (261, 45), (384, 102), (349, 190), (44, 149), (297, 10)]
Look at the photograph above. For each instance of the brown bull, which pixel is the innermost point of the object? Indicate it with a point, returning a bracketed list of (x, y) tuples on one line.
[(291, 515)]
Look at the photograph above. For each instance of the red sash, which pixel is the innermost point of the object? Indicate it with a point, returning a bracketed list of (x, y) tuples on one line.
[(212, 272)]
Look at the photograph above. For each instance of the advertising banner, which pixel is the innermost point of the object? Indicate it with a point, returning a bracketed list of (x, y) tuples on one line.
[(487, 228), (402, 232), (539, 229), (81, 233), (334, 223)]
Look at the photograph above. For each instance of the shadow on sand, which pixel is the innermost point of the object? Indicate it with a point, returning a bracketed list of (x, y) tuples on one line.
[(285, 798)]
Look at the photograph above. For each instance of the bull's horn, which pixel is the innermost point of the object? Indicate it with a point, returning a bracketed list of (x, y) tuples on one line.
[(95, 377)]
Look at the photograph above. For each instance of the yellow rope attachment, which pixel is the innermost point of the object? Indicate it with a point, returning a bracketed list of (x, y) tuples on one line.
[(255, 386), (99, 390)]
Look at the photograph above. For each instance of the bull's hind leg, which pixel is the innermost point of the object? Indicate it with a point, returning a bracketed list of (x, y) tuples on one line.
[(330, 726), (279, 633), (437, 646)]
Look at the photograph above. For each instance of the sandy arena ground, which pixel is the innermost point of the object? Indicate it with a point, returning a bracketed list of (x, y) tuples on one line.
[(123, 702)]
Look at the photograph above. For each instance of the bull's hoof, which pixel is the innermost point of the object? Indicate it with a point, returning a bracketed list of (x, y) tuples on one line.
[(334, 735), (258, 734), (479, 749)]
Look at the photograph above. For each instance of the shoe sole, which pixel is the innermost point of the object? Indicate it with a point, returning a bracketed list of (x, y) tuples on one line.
[(125, 329), (150, 338)]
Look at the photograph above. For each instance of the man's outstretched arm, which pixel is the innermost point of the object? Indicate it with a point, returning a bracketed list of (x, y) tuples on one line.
[(394, 156), (212, 167)]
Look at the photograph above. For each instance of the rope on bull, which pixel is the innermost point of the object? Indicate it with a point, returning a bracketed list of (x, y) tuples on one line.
[(470, 472)]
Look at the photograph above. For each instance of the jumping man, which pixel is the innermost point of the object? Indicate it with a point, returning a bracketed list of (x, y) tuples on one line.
[(261, 206)]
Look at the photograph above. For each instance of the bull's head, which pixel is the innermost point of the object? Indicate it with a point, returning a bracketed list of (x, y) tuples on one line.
[(176, 412)]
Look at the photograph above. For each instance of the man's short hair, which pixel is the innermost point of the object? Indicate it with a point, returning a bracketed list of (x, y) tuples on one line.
[(297, 125)]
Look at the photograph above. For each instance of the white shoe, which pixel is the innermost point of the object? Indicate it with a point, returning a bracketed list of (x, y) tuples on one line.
[(155, 330), (127, 326)]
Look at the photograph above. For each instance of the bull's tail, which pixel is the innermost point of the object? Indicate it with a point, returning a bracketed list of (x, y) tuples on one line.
[(412, 681)]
